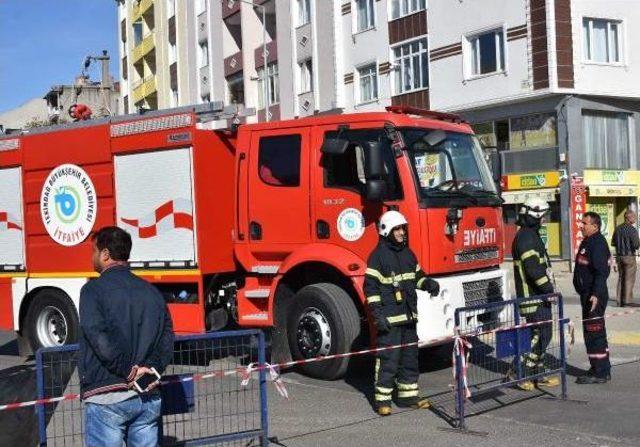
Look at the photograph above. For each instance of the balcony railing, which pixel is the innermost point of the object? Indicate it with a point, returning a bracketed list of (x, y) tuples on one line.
[(144, 88), (139, 8), (143, 48)]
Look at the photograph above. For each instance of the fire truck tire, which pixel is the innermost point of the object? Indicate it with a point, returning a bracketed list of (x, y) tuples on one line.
[(51, 320), (323, 321)]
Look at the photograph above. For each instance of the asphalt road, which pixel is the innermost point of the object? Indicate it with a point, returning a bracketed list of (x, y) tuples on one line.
[(340, 413)]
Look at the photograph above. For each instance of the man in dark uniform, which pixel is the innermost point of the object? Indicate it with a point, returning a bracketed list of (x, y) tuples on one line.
[(533, 276), (590, 281), (390, 284), (625, 239)]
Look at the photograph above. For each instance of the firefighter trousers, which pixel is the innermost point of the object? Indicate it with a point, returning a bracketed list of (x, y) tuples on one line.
[(397, 367), (595, 336), (533, 362)]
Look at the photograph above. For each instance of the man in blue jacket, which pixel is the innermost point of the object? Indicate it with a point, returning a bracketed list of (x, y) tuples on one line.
[(126, 334)]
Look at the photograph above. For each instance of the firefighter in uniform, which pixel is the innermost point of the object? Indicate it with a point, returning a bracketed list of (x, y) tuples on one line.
[(533, 276), (391, 280), (590, 281)]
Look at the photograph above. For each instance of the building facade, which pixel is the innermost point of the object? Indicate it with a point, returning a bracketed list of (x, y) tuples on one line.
[(551, 84), (321, 56)]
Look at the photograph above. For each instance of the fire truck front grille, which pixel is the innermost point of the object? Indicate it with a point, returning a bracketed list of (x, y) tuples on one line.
[(476, 254), (483, 291)]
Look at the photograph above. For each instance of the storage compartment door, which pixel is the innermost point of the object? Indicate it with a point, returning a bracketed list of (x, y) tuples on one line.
[(11, 221), (154, 203)]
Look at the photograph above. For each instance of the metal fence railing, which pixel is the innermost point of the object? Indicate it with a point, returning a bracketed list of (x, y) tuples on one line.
[(509, 343), (203, 400)]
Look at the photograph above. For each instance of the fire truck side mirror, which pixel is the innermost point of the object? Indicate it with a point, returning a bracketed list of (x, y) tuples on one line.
[(375, 190), (374, 172), (334, 146), (373, 161)]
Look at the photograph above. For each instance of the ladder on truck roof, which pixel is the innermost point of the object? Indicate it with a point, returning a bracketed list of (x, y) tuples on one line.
[(155, 119)]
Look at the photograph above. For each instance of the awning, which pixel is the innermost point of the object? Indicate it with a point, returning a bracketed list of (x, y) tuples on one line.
[(511, 197), (613, 190)]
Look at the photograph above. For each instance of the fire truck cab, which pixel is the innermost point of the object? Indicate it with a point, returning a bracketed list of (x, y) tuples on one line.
[(262, 225)]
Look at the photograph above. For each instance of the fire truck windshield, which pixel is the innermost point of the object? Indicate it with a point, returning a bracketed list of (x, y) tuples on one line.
[(448, 162)]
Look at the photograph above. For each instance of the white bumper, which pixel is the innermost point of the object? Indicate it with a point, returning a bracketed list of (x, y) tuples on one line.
[(436, 314)]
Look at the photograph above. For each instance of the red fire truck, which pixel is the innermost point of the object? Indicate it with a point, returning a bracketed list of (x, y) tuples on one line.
[(263, 225)]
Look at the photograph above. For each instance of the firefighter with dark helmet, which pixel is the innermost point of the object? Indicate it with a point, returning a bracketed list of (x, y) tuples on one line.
[(533, 276), (392, 277)]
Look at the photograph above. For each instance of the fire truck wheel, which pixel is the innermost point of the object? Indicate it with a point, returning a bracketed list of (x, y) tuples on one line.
[(51, 320), (323, 321)]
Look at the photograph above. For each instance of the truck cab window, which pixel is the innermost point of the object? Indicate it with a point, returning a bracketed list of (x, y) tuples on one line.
[(346, 171), (279, 160)]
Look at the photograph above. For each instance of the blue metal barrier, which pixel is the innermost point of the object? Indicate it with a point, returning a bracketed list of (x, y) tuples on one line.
[(195, 411), (514, 341)]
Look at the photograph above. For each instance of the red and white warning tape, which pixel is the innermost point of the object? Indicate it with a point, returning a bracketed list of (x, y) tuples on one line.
[(461, 347)]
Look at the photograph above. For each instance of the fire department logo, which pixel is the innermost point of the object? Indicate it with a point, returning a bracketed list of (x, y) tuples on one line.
[(68, 204), (351, 224)]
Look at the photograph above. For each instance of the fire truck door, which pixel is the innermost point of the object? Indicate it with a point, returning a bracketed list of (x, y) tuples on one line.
[(341, 214), (278, 192)]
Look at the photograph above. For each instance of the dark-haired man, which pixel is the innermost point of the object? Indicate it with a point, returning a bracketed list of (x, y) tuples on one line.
[(590, 281), (126, 335)]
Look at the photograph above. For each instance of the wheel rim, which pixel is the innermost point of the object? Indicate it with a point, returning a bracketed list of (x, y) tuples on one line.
[(51, 327), (313, 333)]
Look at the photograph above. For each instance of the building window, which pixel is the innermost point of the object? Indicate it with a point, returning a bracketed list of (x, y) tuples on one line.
[(137, 33), (304, 12), (368, 83), (411, 66), (606, 139), (601, 41), (204, 54), (279, 160), (235, 86), (401, 8), (273, 88), (486, 53), (306, 76), (533, 131), (365, 14)]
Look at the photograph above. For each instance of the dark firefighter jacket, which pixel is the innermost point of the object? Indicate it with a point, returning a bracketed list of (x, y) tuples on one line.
[(592, 267), (390, 283), (530, 263)]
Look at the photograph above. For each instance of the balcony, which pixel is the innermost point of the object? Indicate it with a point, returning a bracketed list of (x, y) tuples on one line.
[(144, 88), (139, 8), (143, 48)]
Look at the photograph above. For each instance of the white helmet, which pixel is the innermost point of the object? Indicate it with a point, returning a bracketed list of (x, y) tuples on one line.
[(389, 221), (535, 207)]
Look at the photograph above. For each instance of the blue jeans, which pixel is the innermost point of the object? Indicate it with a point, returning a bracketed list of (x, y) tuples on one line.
[(134, 421)]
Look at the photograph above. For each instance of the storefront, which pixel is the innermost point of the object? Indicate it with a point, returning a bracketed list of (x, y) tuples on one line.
[(610, 193), (516, 189)]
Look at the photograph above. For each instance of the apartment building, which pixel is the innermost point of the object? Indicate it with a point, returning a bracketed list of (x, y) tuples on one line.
[(321, 55), (551, 84)]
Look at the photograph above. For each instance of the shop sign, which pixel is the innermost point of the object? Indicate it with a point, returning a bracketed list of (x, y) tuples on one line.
[(544, 235), (578, 203), (607, 216), (549, 179), (612, 183)]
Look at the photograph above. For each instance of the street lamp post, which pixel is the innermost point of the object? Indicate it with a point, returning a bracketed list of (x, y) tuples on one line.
[(265, 78)]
